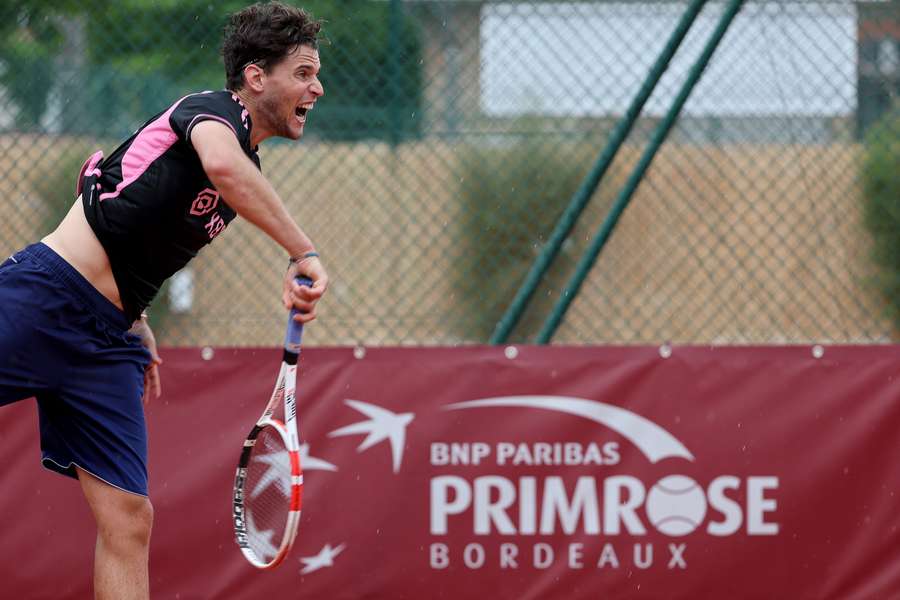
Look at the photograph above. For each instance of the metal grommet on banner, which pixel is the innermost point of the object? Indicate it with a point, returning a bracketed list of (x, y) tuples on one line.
[(511, 352), (359, 352), (665, 350), (207, 353), (818, 351)]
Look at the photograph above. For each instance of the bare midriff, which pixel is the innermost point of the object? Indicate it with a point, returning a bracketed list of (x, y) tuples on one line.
[(76, 243)]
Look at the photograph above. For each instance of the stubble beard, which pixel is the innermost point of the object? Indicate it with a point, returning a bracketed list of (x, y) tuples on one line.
[(270, 110)]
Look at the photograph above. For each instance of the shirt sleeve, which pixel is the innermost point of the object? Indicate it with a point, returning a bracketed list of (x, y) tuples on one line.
[(209, 106)]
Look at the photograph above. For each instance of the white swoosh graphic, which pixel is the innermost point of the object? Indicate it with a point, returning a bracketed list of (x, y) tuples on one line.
[(655, 442)]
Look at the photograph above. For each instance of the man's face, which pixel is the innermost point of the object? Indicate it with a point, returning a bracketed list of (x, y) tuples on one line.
[(290, 91)]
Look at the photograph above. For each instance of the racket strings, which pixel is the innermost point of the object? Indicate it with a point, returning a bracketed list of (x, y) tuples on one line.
[(267, 490)]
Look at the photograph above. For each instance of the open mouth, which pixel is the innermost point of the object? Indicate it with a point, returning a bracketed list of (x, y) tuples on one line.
[(301, 111)]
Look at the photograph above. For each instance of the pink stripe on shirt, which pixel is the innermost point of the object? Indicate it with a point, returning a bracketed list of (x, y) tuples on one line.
[(150, 144)]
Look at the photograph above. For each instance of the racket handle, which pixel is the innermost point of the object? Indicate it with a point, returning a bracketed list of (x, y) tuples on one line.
[(294, 328)]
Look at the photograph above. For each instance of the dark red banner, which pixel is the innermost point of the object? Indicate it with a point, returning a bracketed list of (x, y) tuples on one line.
[(519, 473)]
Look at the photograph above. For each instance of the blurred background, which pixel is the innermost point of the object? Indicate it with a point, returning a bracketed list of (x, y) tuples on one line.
[(452, 137)]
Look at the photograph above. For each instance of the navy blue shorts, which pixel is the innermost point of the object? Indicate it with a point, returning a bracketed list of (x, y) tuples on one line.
[(64, 343)]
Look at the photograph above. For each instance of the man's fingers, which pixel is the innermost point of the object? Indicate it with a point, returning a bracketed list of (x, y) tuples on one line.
[(304, 299), (304, 305), (155, 383), (152, 382), (307, 293), (305, 317)]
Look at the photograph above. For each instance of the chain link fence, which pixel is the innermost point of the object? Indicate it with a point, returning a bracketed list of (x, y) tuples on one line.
[(453, 135)]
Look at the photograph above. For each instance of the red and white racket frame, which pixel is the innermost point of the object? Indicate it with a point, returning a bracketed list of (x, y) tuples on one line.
[(285, 388)]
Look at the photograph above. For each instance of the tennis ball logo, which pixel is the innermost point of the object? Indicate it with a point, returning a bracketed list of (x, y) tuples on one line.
[(676, 505)]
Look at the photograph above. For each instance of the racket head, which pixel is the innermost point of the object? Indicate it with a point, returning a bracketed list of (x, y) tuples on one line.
[(268, 494)]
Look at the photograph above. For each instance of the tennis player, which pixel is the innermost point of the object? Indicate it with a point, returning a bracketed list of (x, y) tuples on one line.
[(73, 332)]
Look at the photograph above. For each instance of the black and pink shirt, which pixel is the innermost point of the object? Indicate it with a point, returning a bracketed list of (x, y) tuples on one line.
[(151, 204)]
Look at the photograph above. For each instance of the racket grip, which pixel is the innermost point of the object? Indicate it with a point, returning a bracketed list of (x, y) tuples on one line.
[(295, 329)]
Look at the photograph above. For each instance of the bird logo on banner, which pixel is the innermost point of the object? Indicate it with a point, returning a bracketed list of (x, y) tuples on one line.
[(382, 425)]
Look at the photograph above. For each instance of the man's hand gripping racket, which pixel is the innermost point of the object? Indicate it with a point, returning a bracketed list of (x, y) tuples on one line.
[(268, 486)]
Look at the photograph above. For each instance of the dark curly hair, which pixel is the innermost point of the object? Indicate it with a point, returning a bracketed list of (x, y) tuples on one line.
[(264, 34)]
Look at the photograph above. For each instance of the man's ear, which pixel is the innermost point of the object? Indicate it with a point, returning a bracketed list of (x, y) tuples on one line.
[(253, 77)]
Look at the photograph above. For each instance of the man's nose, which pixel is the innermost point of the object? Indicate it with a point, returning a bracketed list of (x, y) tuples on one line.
[(317, 88)]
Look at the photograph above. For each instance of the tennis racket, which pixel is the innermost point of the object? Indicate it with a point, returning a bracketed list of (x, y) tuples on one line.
[(268, 485)]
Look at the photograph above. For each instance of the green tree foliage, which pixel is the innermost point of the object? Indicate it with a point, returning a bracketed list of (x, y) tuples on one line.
[(372, 76), (881, 189), (142, 54), (30, 38)]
